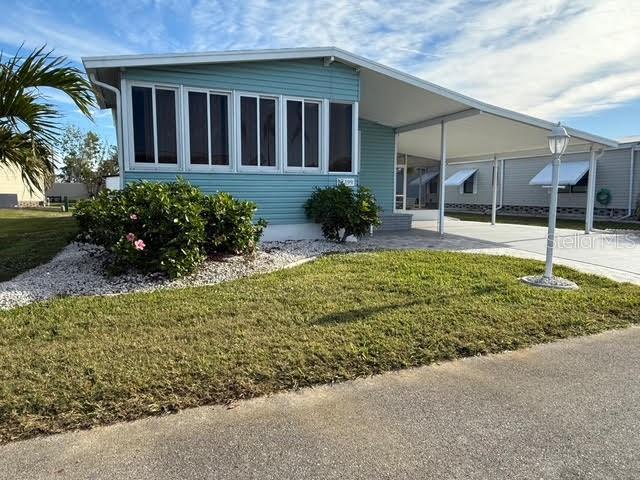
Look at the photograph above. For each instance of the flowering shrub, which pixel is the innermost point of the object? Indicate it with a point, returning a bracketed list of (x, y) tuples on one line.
[(343, 211), (166, 227)]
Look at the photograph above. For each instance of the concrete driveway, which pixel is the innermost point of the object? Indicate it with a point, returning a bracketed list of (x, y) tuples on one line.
[(613, 255), (563, 410)]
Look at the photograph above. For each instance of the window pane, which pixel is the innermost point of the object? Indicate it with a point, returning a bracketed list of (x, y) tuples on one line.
[(219, 106), (198, 141), (142, 105), (468, 185), (166, 126), (311, 135), (248, 130), (340, 137), (294, 133), (267, 132)]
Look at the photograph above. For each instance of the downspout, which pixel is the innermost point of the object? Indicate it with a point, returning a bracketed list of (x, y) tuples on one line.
[(631, 178), (501, 186), (113, 89), (501, 183)]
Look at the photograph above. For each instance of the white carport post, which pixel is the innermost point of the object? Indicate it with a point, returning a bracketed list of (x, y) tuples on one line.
[(443, 168), (494, 199), (591, 191)]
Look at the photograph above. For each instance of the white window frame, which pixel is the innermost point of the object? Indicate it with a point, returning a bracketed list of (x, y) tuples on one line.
[(141, 166), (475, 185), (355, 137), (187, 130), (285, 146), (238, 136)]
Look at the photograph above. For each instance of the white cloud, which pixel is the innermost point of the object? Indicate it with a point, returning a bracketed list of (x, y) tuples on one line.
[(73, 38), (570, 59), (550, 58)]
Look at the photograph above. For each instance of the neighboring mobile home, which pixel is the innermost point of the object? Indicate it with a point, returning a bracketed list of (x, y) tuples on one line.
[(15, 192), (270, 125), (521, 183)]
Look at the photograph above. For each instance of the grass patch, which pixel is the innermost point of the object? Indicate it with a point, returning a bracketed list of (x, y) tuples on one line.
[(572, 224), (79, 362), (29, 238)]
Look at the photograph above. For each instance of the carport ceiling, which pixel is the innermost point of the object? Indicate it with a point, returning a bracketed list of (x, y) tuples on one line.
[(479, 135), (474, 128)]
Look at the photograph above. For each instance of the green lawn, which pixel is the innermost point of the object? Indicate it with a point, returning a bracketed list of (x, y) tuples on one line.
[(31, 237), (542, 221), (79, 362)]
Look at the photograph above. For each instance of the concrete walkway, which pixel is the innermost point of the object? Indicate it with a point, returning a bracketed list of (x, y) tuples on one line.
[(612, 255), (563, 410)]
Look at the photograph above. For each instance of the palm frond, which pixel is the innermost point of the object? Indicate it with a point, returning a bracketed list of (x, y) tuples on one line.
[(28, 124)]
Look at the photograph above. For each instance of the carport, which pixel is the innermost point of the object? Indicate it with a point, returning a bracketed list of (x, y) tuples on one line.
[(442, 127)]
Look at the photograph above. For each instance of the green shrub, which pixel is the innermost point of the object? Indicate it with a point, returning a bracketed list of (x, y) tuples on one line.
[(166, 227), (343, 211), (229, 225)]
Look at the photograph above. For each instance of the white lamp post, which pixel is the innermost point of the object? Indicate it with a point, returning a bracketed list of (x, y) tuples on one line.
[(558, 141)]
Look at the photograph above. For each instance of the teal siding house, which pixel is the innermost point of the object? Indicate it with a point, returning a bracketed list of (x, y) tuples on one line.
[(271, 125)]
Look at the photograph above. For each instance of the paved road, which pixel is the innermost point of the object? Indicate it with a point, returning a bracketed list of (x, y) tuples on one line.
[(612, 255), (569, 410)]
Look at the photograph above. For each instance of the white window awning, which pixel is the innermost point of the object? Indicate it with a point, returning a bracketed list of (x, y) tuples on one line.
[(570, 173), (424, 178), (459, 177)]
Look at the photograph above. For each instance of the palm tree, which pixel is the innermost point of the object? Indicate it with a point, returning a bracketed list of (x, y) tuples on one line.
[(28, 123)]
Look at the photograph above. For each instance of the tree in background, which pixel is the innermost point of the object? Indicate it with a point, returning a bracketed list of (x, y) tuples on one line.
[(28, 123), (86, 158)]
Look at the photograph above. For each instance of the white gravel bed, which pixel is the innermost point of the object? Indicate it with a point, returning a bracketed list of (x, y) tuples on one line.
[(79, 270)]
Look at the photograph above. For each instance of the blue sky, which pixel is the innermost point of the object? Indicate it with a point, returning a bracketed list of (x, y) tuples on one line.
[(575, 61)]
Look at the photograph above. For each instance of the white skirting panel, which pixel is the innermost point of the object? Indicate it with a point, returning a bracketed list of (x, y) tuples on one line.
[(300, 231)]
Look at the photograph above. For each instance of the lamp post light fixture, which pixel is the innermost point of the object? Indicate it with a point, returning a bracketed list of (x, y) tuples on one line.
[(558, 142)]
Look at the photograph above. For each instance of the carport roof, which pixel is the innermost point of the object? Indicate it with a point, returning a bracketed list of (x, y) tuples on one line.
[(414, 107)]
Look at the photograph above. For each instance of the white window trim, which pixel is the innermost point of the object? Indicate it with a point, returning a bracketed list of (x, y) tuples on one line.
[(285, 144), (156, 166), (238, 136), (187, 132), (355, 164), (475, 186)]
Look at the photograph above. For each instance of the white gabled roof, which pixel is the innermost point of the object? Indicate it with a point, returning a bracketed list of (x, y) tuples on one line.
[(570, 173), (459, 177)]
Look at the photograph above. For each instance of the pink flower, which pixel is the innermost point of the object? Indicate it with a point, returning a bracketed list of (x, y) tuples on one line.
[(133, 216), (139, 244), (130, 237)]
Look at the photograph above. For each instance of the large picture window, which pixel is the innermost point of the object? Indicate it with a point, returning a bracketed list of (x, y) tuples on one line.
[(208, 128), (341, 137), (303, 134), (155, 127), (258, 135)]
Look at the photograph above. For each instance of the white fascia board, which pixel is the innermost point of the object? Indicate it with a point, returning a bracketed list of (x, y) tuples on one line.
[(115, 61), (339, 54)]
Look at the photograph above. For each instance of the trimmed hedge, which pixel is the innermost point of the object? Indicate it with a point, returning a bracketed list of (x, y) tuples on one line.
[(343, 211)]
